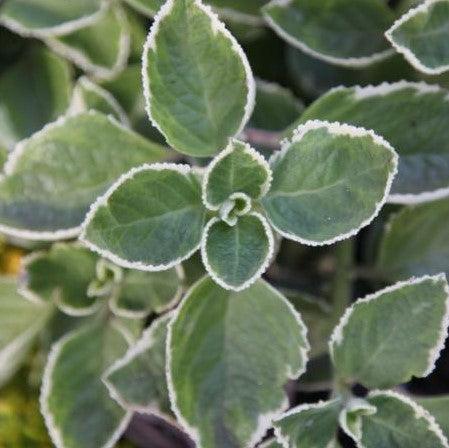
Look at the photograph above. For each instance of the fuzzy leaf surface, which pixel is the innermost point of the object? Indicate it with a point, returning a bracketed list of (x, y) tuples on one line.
[(438, 407)]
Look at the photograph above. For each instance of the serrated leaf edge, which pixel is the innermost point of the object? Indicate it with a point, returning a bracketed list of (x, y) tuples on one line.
[(218, 27), (265, 420), (336, 128), (263, 267), (337, 335), (406, 51), (358, 62)]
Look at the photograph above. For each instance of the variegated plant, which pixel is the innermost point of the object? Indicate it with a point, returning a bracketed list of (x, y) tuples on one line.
[(154, 186)]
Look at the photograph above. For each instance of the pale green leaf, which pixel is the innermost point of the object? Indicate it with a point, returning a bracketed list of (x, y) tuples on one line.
[(416, 242), (341, 32), (237, 255), (226, 371), (421, 35), (151, 219), (61, 275), (42, 18), (388, 337), (412, 117), (438, 406), (270, 443), (350, 417), (309, 425), (398, 422), (137, 381), (20, 323), (87, 96), (53, 177), (75, 403), (101, 48), (237, 169), (146, 7), (34, 91), (329, 181), (198, 84), (141, 293)]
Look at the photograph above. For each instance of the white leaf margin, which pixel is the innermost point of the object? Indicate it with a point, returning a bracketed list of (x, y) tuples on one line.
[(358, 62), (265, 420), (420, 413), (284, 439), (228, 151), (82, 60), (337, 335), (217, 27), (102, 201), (336, 128), (407, 52), (53, 430), (263, 266), (57, 30)]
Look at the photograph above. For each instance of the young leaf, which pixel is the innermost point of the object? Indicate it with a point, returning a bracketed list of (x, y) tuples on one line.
[(309, 425), (236, 256), (416, 242), (350, 417), (101, 48), (146, 7), (61, 275), (41, 18), (386, 338), (33, 91), (87, 95), (336, 31), (237, 169), (421, 36), (412, 117), (52, 178), (397, 423), (219, 351), (137, 380), (142, 293), (198, 84), (20, 323), (438, 406), (151, 219), (329, 181), (75, 403)]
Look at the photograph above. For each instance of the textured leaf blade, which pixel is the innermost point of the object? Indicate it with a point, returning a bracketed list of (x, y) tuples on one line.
[(329, 181), (421, 36), (189, 54), (372, 343), (53, 177), (336, 31), (162, 203), (243, 372), (413, 119), (438, 407)]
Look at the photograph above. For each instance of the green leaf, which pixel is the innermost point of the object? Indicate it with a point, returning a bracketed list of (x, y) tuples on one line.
[(397, 423), (237, 169), (146, 7), (33, 91), (137, 380), (351, 416), (438, 406), (329, 181), (416, 242), (339, 32), (75, 403), (412, 117), (87, 96), (270, 443), (101, 48), (61, 275), (53, 177), (198, 83), (20, 323), (220, 352), (151, 219), (246, 12), (309, 425), (141, 293), (41, 18), (421, 36), (236, 255), (386, 338)]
